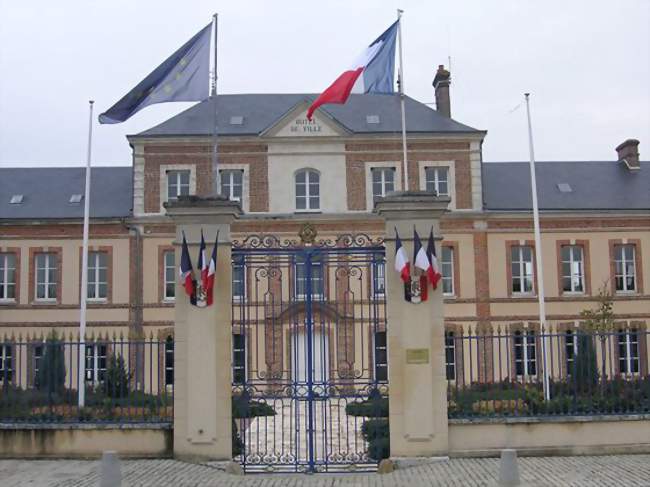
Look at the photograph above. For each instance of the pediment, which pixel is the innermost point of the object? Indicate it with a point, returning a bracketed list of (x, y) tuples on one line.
[(294, 123)]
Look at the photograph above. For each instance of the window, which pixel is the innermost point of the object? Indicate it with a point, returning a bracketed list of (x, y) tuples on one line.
[(97, 275), (46, 277), (238, 358), (301, 279), (450, 355), (571, 349), (525, 356), (37, 357), (178, 184), (522, 269), (307, 190), (7, 277), (437, 180), (381, 357), (231, 184), (169, 275), (379, 278), (628, 351), (625, 267), (573, 274), (6, 364), (447, 270), (169, 361), (383, 181), (238, 279), (96, 363)]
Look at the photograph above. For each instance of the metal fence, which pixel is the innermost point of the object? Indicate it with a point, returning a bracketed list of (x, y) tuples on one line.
[(589, 373), (125, 380)]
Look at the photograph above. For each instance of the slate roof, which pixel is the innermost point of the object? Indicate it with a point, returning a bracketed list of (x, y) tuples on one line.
[(606, 185), (261, 111), (46, 192)]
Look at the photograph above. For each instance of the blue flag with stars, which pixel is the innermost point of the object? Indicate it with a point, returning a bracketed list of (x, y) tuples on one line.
[(184, 76)]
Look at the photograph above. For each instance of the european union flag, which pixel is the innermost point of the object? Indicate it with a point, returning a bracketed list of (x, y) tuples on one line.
[(184, 76)]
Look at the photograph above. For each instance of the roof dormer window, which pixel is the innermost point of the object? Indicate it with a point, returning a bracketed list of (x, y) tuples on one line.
[(16, 199), (76, 198)]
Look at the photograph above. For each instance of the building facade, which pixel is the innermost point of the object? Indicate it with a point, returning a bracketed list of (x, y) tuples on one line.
[(287, 171)]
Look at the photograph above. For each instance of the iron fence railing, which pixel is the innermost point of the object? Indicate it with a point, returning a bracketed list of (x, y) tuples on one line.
[(125, 380), (589, 373)]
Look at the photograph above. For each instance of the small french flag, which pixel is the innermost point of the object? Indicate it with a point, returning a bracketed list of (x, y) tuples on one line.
[(372, 72), (421, 261), (187, 273), (434, 270), (209, 288), (402, 264), (203, 263)]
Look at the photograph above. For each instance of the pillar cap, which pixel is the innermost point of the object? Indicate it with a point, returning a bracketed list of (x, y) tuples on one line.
[(401, 205)]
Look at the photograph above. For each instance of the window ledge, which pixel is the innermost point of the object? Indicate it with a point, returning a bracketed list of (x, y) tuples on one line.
[(45, 301), (7, 301), (298, 212)]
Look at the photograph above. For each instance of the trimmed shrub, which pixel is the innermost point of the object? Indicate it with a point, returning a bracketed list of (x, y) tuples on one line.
[(51, 372)]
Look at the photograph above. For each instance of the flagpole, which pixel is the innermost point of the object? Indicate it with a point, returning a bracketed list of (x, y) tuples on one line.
[(83, 295), (539, 268), (215, 159), (401, 93)]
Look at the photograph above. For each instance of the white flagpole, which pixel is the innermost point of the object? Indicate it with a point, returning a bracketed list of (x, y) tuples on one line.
[(401, 95), (84, 267), (539, 268), (215, 158)]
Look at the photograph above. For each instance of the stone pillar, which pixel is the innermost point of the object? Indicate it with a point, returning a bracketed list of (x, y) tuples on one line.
[(416, 347), (202, 336)]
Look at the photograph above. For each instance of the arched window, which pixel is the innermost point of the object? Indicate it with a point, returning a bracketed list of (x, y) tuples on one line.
[(307, 190)]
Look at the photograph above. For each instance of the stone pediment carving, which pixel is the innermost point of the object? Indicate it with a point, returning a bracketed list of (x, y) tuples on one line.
[(295, 124)]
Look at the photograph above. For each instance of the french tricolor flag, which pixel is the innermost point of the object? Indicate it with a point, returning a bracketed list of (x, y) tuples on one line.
[(209, 288), (402, 260), (433, 272), (421, 261), (203, 263), (372, 72), (187, 273)]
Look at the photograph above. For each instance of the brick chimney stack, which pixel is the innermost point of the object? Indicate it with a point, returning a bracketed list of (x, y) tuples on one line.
[(628, 153), (441, 84)]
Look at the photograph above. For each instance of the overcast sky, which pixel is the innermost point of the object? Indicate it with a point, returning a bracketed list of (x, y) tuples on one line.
[(586, 63)]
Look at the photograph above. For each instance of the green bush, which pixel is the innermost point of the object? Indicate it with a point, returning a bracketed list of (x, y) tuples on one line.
[(237, 443), (51, 372), (584, 373), (377, 433), (375, 406), (117, 379), (244, 407)]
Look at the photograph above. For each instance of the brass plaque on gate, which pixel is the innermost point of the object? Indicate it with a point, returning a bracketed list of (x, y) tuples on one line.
[(417, 355)]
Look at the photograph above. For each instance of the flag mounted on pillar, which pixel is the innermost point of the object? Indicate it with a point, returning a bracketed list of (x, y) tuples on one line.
[(187, 273), (202, 266), (421, 262), (434, 274), (402, 266), (372, 72), (209, 288)]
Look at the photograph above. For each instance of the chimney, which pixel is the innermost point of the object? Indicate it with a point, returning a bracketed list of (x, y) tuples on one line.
[(441, 84), (628, 153)]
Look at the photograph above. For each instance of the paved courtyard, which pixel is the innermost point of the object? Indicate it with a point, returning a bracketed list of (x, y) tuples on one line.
[(620, 471)]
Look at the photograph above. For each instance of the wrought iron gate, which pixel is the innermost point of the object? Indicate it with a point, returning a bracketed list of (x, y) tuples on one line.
[(309, 354)]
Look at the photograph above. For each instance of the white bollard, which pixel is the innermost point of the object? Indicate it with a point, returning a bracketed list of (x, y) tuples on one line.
[(111, 475), (508, 469)]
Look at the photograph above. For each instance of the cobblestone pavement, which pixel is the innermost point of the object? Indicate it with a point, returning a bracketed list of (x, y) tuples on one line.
[(620, 471)]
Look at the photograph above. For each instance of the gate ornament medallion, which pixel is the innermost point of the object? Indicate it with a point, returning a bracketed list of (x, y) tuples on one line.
[(308, 234)]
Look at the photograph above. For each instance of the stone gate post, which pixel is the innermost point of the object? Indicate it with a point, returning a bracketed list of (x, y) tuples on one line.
[(202, 336), (416, 348)]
